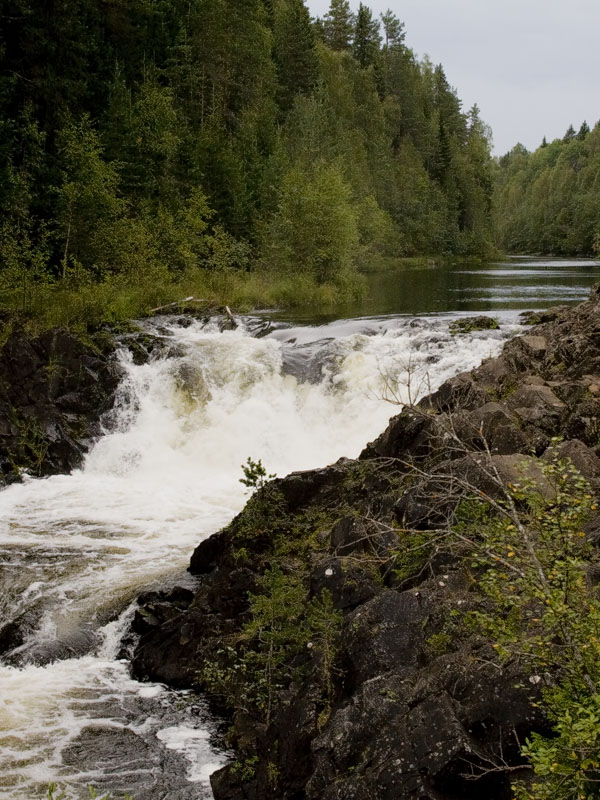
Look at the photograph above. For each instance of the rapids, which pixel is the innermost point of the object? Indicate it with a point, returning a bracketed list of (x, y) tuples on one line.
[(75, 550)]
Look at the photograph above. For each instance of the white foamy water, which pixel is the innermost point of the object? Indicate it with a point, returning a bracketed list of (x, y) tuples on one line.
[(75, 550)]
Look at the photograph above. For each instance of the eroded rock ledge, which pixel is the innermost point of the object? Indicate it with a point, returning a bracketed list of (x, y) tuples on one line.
[(400, 702)]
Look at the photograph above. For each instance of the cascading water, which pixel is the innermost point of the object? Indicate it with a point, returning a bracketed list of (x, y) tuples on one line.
[(75, 550)]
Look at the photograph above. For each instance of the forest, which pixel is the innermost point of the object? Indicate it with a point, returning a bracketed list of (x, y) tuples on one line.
[(548, 201), (158, 143), (245, 152)]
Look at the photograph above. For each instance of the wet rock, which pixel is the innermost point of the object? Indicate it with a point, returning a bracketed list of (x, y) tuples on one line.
[(54, 389), (470, 324), (169, 652), (207, 554), (407, 434), (460, 391), (156, 608)]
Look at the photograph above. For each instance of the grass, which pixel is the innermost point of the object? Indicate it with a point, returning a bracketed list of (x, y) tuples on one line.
[(88, 306)]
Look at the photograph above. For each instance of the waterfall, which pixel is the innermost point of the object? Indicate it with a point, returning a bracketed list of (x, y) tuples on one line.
[(75, 550)]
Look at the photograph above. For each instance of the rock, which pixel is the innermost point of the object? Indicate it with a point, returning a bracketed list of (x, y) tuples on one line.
[(169, 652), (156, 608), (493, 373), (407, 434), (385, 634), (493, 424), (431, 503), (388, 744), (54, 389), (525, 353), (470, 324), (345, 582), (583, 458), (583, 422), (207, 554), (348, 534), (538, 406), (458, 392), (300, 488), (535, 345), (592, 530), (539, 317)]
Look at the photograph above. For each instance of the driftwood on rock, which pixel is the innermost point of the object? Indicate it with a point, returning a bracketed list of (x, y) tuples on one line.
[(190, 299)]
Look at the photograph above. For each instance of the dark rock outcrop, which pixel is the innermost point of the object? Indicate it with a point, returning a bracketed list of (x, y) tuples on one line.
[(54, 388), (407, 706)]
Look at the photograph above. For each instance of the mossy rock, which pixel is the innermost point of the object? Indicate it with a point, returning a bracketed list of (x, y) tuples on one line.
[(540, 317), (470, 324)]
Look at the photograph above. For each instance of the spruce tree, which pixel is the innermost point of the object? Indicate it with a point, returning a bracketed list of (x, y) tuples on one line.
[(366, 37), (294, 51), (583, 131), (339, 25)]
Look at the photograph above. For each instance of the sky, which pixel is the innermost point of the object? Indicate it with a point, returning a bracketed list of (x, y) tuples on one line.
[(532, 66)]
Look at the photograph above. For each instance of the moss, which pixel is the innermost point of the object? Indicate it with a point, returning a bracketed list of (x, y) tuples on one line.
[(470, 324), (438, 644)]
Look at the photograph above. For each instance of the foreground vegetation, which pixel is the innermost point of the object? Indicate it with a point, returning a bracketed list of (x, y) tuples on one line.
[(521, 549), (529, 563), (167, 144)]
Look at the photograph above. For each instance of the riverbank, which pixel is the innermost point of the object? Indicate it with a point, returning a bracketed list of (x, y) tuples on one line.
[(354, 624), (90, 305)]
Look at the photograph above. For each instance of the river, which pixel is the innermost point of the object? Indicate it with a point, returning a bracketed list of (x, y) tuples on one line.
[(295, 390)]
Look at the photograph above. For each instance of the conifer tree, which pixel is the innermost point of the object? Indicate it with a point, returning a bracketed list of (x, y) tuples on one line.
[(294, 51), (366, 37), (583, 131), (338, 25), (393, 29)]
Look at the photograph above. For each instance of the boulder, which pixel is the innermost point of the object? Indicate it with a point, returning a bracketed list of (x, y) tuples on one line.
[(476, 323)]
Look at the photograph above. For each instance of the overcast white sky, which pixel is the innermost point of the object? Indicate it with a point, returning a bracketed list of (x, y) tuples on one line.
[(532, 66)]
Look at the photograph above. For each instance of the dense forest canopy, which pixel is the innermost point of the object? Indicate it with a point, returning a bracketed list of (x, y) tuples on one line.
[(548, 201), (146, 139)]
